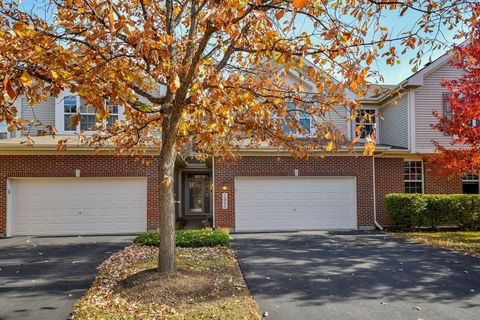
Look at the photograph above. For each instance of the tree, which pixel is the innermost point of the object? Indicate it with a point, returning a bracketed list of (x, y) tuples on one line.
[(462, 156), (209, 76)]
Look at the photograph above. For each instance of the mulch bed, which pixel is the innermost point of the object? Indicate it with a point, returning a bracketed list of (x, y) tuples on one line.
[(208, 284)]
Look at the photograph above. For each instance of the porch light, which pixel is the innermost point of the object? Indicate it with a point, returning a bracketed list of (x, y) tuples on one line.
[(224, 188)]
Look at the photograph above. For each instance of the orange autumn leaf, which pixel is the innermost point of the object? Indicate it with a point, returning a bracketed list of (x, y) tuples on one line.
[(7, 86), (300, 4)]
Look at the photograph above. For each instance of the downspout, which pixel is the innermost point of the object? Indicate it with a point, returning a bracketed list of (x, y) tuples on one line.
[(213, 192), (375, 195)]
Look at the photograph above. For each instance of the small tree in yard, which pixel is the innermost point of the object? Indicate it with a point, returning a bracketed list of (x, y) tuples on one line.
[(462, 156), (209, 76)]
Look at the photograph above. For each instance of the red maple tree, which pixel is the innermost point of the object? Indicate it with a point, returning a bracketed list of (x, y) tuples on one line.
[(462, 155)]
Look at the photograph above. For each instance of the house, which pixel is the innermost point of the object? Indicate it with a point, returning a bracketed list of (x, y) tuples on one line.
[(46, 192)]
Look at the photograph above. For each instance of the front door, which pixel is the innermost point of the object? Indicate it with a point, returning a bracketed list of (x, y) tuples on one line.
[(197, 194)]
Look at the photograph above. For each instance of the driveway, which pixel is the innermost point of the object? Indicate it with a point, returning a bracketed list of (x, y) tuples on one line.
[(40, 278), (321, 275)]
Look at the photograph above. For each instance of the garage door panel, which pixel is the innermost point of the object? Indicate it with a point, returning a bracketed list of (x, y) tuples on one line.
[(69, 206), (295, 203)]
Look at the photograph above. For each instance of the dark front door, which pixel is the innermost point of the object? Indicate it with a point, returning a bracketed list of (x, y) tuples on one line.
[(198, 194)]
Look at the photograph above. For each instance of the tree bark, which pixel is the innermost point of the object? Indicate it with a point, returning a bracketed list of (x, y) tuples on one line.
[(166, 257), (166, 166)]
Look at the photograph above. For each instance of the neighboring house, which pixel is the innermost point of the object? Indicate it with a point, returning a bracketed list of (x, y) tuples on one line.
[(46, 192)]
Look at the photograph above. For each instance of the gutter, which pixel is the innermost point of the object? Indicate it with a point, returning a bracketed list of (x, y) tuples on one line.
[(375, 195)]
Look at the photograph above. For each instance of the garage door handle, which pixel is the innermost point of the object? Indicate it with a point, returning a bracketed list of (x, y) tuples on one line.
[(79, 212), (176, 201)]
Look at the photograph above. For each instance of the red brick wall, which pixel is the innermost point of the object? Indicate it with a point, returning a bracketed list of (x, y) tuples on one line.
[(440, 184), (389, 179), (360, 167), (89, 165)]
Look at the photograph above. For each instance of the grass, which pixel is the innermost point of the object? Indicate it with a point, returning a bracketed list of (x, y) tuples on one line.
[(230, 299), (463, 242)]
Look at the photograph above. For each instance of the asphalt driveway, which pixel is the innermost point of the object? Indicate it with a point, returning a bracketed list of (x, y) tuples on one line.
[(321, 275), (40, 278)]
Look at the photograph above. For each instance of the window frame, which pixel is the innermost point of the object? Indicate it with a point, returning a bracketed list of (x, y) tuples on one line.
[(299, 115), (476, 181), (376, 125), (60, 114), (405, 180), (8, 133)]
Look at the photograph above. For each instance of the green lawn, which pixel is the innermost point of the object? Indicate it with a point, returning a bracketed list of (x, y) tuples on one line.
[(464, 242)]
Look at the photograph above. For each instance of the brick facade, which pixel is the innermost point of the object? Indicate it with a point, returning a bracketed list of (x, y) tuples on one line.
[(89, 165), (389, 179), (440, 184), (226, 171)]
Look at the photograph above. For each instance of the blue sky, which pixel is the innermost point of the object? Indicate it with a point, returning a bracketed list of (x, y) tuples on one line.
[(395, 23)]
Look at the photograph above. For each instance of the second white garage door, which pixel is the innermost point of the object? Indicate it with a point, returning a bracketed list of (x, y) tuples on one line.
[(295, 203), (78, 206)]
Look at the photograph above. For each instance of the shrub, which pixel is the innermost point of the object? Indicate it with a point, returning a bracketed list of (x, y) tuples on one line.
[(147, 239), (434, 210), (406, 210), (189, 238)]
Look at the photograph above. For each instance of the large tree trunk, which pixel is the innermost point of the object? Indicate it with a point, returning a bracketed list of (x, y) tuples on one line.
[(167, 259)]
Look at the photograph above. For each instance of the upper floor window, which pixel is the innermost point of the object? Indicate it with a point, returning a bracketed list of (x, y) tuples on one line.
[(69, 110), (470, 183), (3, 130), (368, 119), (303, 118), (413, 176), (73, 105)]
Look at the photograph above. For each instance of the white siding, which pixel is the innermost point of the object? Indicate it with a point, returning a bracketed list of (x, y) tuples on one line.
[(429, 97), (338, 118), (43, 112), (394, 125)]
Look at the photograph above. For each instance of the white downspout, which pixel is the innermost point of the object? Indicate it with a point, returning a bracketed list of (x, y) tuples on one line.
[(375, 196), (213, 192)]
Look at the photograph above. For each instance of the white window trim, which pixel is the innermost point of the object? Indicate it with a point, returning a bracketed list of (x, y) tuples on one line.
[(423, 175), (352, 123), (477, 181), (298, 117), (60, 119)]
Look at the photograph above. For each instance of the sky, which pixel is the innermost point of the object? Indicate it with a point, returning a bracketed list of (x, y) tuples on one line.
[(391, 74)]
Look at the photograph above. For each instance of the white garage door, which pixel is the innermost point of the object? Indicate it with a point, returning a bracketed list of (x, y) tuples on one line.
[(295, 203), (78, 206)]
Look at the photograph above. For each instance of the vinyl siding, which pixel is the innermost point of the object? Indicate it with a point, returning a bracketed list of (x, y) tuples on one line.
[(429, 97), (338, 117), (394, 123), (44, 113)]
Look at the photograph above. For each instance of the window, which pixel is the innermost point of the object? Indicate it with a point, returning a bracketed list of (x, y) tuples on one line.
[(304, 120), (69, 109), (366, 118), (3, 130), (413, 176), (113, 113), (72, 105), (88, 118), (447, 111), (470, 184)]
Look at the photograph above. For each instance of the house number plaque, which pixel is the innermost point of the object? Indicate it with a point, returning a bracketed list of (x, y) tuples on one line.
[(224, 200)]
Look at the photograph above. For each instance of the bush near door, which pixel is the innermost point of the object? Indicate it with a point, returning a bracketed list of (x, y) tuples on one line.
[(189, 238), (434, 210)]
